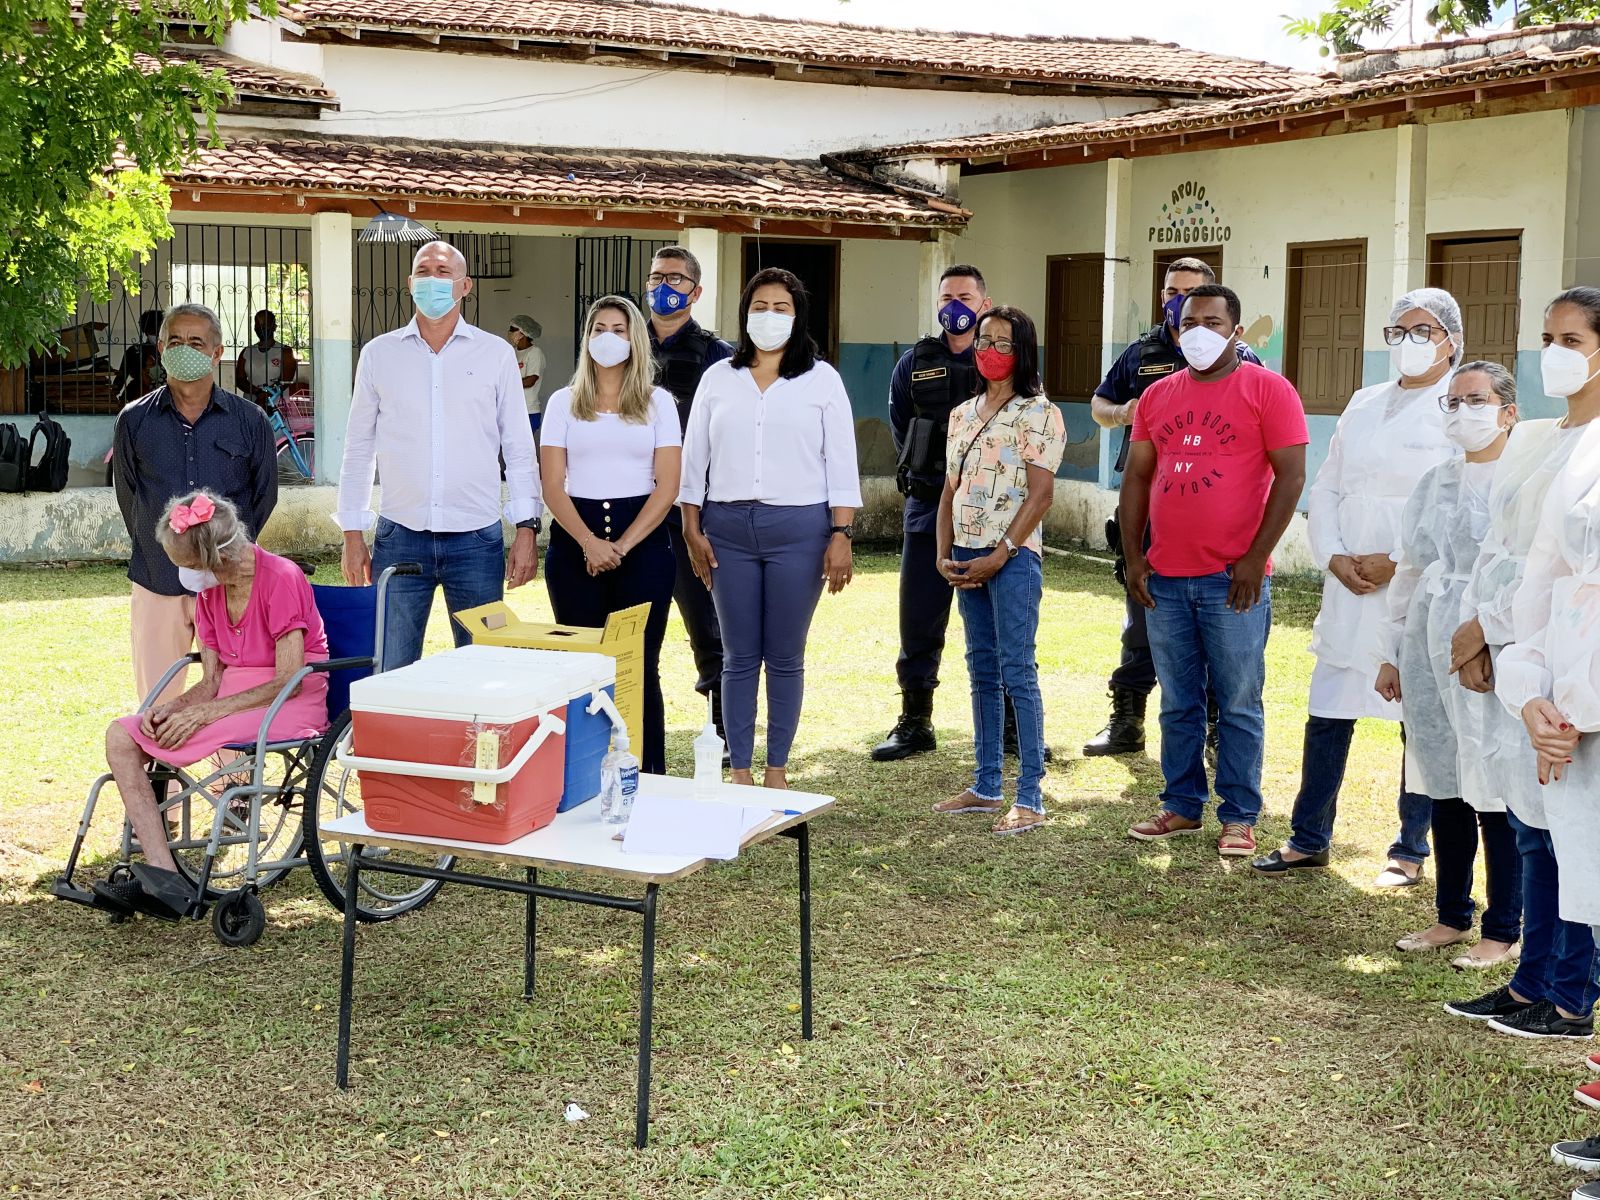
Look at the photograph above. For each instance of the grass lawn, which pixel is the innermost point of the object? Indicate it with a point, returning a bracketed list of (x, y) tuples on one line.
[(1068, 1014)]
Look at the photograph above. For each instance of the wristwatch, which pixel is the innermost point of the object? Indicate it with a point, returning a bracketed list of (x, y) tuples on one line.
[(533, 523), (849, 530), (1011, 547)]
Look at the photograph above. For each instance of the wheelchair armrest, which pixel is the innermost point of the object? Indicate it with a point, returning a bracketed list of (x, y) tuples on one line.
[(182, 664), (341, 664)]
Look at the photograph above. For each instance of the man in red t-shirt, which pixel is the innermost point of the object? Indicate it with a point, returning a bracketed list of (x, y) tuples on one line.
[(1217, 464)]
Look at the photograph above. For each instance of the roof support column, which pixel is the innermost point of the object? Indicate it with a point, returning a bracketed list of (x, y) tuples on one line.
[(332, 328), (1115, 329), (706, 245), (1410, 212), (933, 257)]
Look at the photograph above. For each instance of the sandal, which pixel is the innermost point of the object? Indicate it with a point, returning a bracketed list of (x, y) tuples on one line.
[(968, 802), (1018, 820)]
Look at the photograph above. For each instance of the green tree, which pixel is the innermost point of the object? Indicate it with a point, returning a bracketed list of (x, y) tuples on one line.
[(1341, 28), (91, 116)]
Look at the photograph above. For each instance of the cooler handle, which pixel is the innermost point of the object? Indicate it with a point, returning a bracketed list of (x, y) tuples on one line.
[(549, 724), (601, 699)]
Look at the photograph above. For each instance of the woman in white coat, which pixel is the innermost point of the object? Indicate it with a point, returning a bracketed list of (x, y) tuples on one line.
[(1389, 436), (1441, 536), (1557, 957)]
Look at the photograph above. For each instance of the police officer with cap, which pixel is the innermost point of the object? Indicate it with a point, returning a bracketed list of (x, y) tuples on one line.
[(683, 351), (930, 379), (1154, 356)]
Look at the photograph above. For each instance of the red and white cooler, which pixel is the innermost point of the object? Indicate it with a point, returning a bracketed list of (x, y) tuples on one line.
[(470, 744)]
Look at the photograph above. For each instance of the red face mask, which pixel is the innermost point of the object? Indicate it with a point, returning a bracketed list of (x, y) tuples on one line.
[(995, 366)]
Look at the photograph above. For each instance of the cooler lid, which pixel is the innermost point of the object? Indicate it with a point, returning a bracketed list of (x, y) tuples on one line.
[(490, 683)]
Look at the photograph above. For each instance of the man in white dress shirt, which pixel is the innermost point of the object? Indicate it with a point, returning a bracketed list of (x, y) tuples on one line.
[(437, 406)]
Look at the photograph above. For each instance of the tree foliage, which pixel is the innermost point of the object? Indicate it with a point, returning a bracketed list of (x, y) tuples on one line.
[(1341, 28), (91, 116)]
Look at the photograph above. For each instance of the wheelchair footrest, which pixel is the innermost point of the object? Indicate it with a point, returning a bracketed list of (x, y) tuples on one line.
[(62, 890)]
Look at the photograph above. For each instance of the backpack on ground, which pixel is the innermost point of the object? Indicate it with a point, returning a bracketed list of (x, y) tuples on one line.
[(14, 455), (49, 474)]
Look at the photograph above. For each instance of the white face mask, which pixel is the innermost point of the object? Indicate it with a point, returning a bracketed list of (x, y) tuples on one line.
[(770, 330), (1413, 359), (608, 349), (1564, 370), (203, 581), (1473, 429), (1202, 347)]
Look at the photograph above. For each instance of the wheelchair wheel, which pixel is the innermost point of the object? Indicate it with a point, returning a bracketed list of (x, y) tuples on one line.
[(277, 841), (238, 918), (334, 791)]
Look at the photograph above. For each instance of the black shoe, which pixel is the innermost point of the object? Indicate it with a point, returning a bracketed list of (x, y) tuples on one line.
[(913, 732), (1276, 864), (1580, 1156), (165, 895), (1542, 1020), (116, 897), (1124, 732), (1498, 1003), (1589, 1191)]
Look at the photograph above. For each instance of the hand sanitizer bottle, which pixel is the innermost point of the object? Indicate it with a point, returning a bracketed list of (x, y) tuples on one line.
[(619, 782), (708, 751)]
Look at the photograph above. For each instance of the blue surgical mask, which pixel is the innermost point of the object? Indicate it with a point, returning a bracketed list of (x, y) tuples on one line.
[(957, 318), (433, 297), (666, 301), (1173, 311)]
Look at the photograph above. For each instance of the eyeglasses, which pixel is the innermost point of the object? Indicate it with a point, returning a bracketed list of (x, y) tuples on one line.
[(1004, 345), (1476, 400), (676, 280), (1395, 334)]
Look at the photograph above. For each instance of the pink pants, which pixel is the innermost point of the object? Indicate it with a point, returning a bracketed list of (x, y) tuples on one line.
[(163, 632)]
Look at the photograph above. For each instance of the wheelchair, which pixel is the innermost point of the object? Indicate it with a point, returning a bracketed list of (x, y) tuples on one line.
[(255, 816)]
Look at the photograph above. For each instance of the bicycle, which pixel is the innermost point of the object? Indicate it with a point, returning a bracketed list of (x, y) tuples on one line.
[(288, 409)]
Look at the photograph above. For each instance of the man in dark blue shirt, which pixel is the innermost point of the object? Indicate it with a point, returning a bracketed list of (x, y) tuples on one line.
[(186, 434), (683, 351), (1154, 356), (929, 381)]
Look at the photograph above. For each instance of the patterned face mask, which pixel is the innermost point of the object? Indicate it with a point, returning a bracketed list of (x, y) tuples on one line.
[(185, 363)]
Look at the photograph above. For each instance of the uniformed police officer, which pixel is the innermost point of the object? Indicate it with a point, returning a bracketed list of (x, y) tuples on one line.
[(1154, 356), (683, 351), (930, 379)]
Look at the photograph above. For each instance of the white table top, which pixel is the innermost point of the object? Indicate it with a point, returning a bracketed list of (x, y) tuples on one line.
[(577, 840)]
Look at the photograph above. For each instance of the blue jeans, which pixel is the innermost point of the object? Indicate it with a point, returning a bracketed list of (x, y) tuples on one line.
[(1322, 763), (1455, 835), (1002, 624), (470, 566), (1558, 957), (1195, 636)]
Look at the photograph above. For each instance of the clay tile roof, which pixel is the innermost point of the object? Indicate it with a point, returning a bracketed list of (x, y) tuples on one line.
[(1331, 97), (1130, 64), (250, 80), (622, 180)]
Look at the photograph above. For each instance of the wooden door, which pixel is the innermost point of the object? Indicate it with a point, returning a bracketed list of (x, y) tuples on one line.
[(1074, 307), (1210, 255), (1326, 310), (1482, 274), (817, 265)]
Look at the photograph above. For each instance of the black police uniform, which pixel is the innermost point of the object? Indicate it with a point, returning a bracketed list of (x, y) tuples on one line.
[(680, 362)]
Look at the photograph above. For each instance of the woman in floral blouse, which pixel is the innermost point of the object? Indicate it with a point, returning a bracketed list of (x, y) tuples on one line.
[(1004, 447)]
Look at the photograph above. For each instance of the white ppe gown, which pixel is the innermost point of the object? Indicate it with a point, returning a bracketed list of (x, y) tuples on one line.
[(1534, 455), (1556, 654), (1441, 533), (1387, 439)]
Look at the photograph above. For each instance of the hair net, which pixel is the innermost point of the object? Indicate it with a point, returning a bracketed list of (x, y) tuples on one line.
[(1439, 304), (532, 329)]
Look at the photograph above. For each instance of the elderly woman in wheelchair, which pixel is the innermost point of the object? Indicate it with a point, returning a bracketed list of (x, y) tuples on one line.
[(258, 626)]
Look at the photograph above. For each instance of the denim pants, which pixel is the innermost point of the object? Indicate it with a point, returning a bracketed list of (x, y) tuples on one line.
[(1196, 637), (1002, 623), (1322, 763), (1558, 957), (470, 566), (645, 576), (1456, 825), (766, 585)]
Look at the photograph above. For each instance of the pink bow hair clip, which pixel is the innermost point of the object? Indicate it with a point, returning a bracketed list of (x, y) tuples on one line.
[(186, 516)]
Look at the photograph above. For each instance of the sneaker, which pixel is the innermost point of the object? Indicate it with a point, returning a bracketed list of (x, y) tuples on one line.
[(1542, 1020), (1164, 824), (1498, 1003), (1593, 1063), (968, 803), (1588, 1094), (1580, 1156), (1589, 1191), (1237, 841)]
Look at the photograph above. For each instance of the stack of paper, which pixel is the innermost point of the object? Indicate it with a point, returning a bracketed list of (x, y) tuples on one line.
[(681, 825)]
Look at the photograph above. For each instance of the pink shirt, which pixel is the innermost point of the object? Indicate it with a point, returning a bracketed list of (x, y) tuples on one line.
[(280, 601), (1212, 472)]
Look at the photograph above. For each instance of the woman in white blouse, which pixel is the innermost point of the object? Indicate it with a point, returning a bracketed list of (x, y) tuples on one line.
[(609, 459), (770, 491)]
